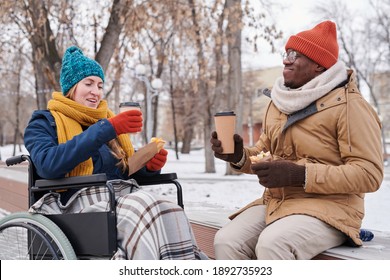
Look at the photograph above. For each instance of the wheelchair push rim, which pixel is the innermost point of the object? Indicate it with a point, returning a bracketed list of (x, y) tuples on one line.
[(33, 236)]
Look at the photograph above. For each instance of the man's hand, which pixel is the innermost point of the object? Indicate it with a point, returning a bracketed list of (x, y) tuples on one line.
[(279, 173), (217, 148)]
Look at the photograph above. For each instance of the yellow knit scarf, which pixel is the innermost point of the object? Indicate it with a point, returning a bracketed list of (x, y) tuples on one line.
[(70, 116)]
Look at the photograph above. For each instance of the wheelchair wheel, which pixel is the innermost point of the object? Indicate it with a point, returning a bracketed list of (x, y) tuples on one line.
[(33, 236)]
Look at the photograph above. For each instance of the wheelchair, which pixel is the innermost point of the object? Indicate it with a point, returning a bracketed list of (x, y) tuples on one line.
[(91, 235)]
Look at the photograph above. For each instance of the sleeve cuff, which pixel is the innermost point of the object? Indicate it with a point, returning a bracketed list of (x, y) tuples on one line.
[(241, 162), (304, 183)]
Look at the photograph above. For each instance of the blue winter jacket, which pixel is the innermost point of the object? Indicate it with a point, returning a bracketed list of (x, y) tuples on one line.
[(53, 160)]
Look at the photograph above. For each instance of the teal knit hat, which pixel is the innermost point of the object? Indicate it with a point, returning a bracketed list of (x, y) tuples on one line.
[(75, 67)]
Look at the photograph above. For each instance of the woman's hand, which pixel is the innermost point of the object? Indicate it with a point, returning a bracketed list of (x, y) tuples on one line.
[(158, 161), (127, 122)]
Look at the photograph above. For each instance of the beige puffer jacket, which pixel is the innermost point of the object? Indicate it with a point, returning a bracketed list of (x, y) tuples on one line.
[(338, 139)]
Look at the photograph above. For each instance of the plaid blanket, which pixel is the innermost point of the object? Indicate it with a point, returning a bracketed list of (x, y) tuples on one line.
[(147, 227)]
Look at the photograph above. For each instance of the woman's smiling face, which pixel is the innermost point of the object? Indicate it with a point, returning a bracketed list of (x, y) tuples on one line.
[(89, 91)]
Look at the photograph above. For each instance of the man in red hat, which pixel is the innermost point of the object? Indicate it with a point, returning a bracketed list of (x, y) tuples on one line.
[(325, 149)]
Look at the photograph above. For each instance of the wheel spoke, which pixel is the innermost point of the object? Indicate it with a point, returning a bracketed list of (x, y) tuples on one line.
[(26, 236)]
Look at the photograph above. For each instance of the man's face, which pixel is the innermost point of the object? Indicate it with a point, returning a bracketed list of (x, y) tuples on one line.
[(298, 69)]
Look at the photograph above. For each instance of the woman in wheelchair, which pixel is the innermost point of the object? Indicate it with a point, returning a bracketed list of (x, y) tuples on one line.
[(79, 135)]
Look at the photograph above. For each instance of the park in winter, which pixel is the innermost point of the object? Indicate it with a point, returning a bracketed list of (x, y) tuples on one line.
[(304, 86)]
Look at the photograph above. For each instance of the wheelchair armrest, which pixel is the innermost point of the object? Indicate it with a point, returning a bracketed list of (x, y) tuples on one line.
[(76, 182), (165, 178), (69, 182)]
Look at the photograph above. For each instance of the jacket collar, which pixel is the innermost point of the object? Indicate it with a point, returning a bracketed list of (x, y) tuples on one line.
[(318, 105)]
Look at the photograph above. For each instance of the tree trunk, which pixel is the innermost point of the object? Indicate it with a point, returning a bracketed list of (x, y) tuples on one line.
[(117, 87), (46, 59), (17, 106), (218, 51), (210, 161), (113, 30), (235, 96), (187, 138), (173, 109), (202, 89)]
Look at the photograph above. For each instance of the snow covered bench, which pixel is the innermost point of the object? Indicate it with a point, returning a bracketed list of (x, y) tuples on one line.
[(205, 225)]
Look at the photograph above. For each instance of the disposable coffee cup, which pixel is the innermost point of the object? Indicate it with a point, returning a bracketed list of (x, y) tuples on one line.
[(127, 106), (225, 125)]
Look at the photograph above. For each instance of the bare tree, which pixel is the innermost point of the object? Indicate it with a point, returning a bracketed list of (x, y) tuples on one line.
[(201, 84), (119, 12), (46, 59), (34, 18), (202, 39)]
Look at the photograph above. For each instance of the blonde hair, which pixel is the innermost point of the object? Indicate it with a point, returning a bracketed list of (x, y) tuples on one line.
[(115, 147)]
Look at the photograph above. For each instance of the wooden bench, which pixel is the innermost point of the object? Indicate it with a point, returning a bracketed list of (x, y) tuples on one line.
[(205, 226)]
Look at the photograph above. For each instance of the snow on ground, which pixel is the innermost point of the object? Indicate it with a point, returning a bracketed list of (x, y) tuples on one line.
[(214, 192)]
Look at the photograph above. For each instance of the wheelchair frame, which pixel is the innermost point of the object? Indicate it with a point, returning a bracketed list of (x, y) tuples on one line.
[(75, 235)]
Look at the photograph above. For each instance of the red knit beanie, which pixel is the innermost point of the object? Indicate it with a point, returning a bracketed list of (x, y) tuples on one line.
[(319, 44)]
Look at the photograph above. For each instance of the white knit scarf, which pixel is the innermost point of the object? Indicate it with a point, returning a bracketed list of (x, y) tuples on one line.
[(289, 100)]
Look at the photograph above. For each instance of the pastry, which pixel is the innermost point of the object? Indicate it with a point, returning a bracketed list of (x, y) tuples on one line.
[(259, 157)]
